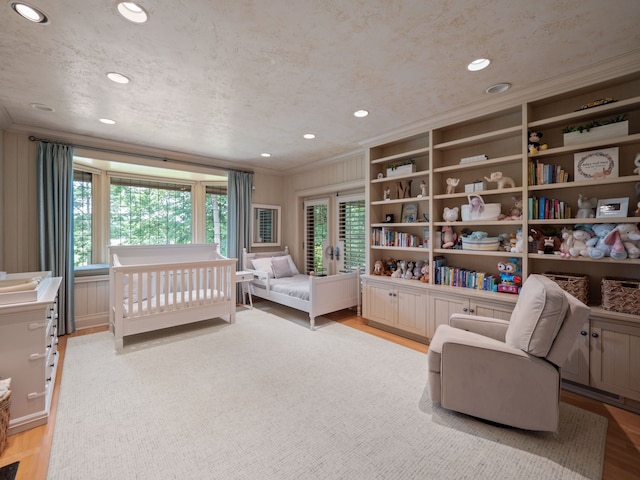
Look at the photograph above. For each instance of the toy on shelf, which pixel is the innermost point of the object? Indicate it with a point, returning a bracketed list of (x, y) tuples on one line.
[(596, 247), (424, 273), (548, 244), (510, 276), (452, 183), (387, 193), (378, 268), (586, 207), (515, 212), (518, 245), (624, 240), (450, 214), (449, 237), (500, 180), (534, 142), (577, 241)]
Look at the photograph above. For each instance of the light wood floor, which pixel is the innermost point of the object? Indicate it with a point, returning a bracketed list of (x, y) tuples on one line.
[(622, 454)]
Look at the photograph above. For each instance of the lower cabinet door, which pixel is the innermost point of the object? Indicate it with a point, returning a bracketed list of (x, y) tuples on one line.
[(381, 304), (412, 312), (615, 355)]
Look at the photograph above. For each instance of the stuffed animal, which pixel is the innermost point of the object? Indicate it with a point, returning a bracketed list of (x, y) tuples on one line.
[(586, 207), (408, 274), (515, 212), (596, 247), (450, 214), (577, 241), (518, 243), (547, 244), (534, 142), (449, 237), (502, 181), (452, 183), (424, 273), (637, 163), (378, 268), (623, 240)]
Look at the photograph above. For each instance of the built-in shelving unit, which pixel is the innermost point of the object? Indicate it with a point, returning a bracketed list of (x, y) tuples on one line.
[(502, 136)]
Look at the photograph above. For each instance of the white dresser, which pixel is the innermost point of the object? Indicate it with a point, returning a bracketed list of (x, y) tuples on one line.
[(28, 348)]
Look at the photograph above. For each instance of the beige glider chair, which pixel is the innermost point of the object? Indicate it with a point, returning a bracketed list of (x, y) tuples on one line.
[(508, 371)]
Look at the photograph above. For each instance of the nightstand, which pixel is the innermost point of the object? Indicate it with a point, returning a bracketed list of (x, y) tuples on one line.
[(245, 277)]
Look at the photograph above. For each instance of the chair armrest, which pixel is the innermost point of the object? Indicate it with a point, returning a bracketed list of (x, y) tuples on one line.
[(486, 326)]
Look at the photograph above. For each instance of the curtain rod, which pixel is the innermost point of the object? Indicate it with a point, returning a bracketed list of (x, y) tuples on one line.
[(140, 155)]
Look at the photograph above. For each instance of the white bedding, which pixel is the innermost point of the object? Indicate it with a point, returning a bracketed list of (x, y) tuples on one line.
[(295, 286)]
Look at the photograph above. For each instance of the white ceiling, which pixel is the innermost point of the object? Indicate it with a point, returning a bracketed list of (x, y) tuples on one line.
[(230, 79)]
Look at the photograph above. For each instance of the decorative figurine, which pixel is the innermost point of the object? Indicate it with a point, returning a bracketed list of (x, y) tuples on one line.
[(452, 183), (510, 277), (387, 193), (502, 181), (423, 189), (450, 214)]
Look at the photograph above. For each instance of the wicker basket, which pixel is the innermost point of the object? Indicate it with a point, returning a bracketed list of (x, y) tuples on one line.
[(576, 285), (5, 402), (621, 295)]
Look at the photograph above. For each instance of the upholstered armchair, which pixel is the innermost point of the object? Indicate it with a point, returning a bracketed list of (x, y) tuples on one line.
[(508, 372)]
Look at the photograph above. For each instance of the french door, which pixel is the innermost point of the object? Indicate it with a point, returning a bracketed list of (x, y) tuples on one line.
[(334, 234)]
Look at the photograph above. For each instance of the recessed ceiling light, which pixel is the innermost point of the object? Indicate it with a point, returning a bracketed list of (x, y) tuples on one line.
[(132, 12), (498, 88), (118, 77), (360, 113), (30, 13), (108, 121), (265, 155), (309, 136), (41, 107), (478, 64)]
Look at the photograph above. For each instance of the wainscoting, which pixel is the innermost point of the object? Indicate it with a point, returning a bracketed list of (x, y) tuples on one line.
[(91, 301)]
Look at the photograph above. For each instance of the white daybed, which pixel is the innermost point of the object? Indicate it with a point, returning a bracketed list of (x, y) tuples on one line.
[(159, 286), (312, 294)]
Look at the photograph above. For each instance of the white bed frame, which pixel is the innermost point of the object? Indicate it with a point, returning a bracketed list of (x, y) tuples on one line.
[(326, 294), (146, 287)]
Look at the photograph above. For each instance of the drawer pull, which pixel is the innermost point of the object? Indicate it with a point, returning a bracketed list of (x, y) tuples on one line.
[(583, 332), (34, 395), (37, 356), (595, 335)]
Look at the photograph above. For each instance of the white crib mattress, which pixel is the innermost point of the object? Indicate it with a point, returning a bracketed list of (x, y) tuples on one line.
[(158, 303)]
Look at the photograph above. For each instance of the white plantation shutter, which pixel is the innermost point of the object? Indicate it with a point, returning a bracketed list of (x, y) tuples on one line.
[(351, 227), (315, 232)]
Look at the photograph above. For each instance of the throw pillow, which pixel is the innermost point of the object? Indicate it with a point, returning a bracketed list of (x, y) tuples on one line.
[(292, 266), (281, 268), (263, 265)]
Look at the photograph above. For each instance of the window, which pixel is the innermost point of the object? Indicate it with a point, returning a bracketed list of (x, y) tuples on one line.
[(145, 212), (316, 233), (216, 208), (335, 234), (119, 203), (351, 227), (82, 218)]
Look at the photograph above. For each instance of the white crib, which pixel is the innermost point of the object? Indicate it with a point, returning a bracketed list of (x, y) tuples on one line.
[(159, 286)]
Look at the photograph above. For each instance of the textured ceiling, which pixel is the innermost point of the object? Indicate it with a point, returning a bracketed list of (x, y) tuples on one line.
[(230, 79)]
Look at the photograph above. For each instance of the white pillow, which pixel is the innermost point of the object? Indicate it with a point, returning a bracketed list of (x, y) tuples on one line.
[(280, 267), (263, 265), (292, 266)]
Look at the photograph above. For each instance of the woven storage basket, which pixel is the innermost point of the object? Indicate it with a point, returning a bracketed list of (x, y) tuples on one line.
[(5, 401), (621, 295), (576, 285)]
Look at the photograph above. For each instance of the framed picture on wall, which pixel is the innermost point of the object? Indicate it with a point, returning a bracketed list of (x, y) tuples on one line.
[(409, 212)]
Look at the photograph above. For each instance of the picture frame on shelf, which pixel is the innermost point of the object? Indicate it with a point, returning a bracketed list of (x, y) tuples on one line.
[(409, 213), (612, 207), (596, 164), (388, 218)]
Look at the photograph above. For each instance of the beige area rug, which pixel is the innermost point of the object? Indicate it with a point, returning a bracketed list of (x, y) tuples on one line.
[(266, 398)]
